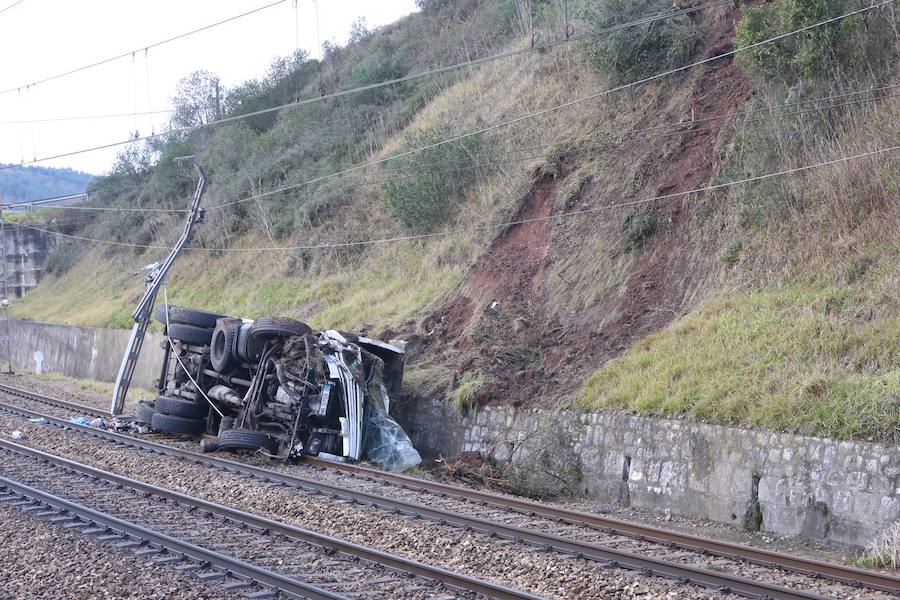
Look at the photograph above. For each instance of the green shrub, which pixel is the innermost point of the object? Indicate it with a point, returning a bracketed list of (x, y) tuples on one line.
[(638, 227), (422, 192), (640, 51), (854, 48), (65, 256)]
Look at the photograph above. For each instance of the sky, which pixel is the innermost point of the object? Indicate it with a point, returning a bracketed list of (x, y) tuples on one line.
[(40, 38)]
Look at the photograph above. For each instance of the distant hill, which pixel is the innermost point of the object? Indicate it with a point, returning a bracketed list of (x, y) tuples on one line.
[(23, 184)]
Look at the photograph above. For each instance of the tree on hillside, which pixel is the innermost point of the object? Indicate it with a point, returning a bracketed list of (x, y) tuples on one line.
[(198, 100)]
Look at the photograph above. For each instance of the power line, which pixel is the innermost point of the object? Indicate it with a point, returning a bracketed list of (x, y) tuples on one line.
[(569, 214), (142, 48), (88, 117), (686, 127), (521, 118), (403, 173), (13, 5), (558, 107), (431, 72)]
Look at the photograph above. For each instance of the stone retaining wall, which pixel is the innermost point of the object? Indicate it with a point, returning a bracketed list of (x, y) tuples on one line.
[(842, 492)]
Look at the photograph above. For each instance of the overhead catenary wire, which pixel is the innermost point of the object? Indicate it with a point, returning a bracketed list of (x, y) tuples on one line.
[(541, 112), (146, 47), (685, 127), (338, 94), (552, 109), (90, 117), (13, 5), (492, 226)]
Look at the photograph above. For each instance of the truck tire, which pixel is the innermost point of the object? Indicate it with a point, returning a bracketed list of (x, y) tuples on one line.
[(173, 424), (244, 439), (247, 348), (269, 327), (222, 348), (145, 412), (190, 334), (187, 316), (179, 407)]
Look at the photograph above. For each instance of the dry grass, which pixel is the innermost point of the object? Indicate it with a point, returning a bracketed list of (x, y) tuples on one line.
[(463, 395), (803, 334), (97, 388), (883, 551)]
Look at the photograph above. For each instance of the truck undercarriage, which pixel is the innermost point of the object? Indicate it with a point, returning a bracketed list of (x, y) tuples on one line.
[(274, 385)]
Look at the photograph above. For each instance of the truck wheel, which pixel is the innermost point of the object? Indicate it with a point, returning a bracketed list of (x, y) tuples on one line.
[(268, 327), (179, 407), (189, 334), (187, 316), (173, 424), (224, 342), (243, 439), (248, 348)]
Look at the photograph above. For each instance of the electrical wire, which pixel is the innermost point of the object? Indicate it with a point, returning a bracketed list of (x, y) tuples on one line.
[(139, 49), (491, 226), (558, 107), (535, 114), (89, 117), (686, 126), (13, 5), (333, 95)]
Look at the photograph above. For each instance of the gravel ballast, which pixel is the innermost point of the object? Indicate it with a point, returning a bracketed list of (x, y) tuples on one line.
[(41, 560), (547, 574)]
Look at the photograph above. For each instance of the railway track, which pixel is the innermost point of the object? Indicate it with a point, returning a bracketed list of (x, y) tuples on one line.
[(217, 540), (671, 553)]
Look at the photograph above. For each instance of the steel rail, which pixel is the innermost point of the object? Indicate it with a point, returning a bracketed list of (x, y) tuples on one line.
[(605, 556), (254, 574), (450, 578), (844, 574), (58, 402)]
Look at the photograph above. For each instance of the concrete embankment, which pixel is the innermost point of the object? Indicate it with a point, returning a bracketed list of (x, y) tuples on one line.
[(83, 352)]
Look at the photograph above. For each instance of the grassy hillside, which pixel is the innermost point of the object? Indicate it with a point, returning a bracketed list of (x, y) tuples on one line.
[(546, 274)]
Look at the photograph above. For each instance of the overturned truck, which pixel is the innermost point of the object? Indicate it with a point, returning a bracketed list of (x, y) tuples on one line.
[(274, 385)]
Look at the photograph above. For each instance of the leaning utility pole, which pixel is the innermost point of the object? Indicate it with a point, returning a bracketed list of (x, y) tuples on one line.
[(154, 280), (4, 300)]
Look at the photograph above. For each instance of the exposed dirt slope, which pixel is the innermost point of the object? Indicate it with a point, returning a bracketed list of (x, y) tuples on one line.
[(506, 323)]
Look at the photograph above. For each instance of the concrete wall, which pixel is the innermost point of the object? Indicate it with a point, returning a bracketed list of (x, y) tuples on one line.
[(842, 492), (26, 252), (83, 352)]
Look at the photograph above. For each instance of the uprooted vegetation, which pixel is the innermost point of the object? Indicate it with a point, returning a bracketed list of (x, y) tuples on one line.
[(545, 260)]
